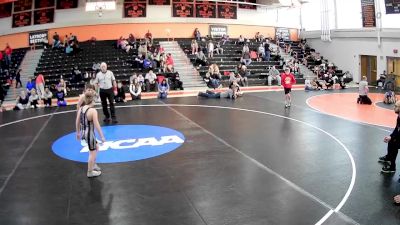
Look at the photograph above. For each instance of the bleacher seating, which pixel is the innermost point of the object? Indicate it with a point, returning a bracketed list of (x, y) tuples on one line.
[(16, 58), (228, 61)]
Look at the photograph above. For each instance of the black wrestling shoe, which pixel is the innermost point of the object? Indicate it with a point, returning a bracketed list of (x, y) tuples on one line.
[(383, 159), (106, 120), (388, 169)]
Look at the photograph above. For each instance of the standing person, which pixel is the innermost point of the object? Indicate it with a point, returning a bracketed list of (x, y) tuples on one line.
[(8, 51), (287, 82), (106, 81), (40, 85), (86, 121), (18, 78), (393, 141)]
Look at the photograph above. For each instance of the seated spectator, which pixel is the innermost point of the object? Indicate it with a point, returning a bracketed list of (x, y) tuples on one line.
[(63, 85), (329, 82), (150, 49), (245, 48), (241, 40), (254, 56), (246, 59), (47, 97), (34, 98), (244, 73), (133, 77), (147, 64), (235, 77), (210, 49), (150, 81), (261, 51), (125, 46), (60, 97), (363, 92), (195, 47), (163, 89), (138, 62), (132, 41), (76, 75), (197, 34), (218, 49), (381, 81), (169, 64), (142, 51), (257, 37), (135, 90), (141, 80), (69, 50), (120, 97), (201, 59), (390, 97), (56, 41), (2, 63), (149, 37), (96, 67), (155, 59), (119, 42), (31, 84), (65, 41), (176, 82), (389, 82), (274, 74), (163, 58), (213, 77), (224, 39), (22, 101), (3, 94)]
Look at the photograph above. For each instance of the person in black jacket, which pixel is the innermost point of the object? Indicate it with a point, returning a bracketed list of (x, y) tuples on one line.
[(393, 141)]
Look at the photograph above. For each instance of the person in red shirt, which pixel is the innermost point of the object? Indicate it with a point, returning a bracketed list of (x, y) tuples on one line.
[(149, 37), (8, 52), (169, 64), (40, 85), (287, 82), (1, 61)]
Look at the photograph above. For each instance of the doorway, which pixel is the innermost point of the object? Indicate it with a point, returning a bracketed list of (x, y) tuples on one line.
[(393, 67), (368, 68)]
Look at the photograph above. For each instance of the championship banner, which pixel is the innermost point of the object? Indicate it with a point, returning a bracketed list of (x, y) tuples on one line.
[(22, 19), (44, 4), (182, 9), (227, 11), (5, 10), (217, 31), (43, 16), (135, 9), (22, 5), (38, 37), (206, 9), (368, 13), (159, 2), (245, 6), (67, 4), (392, 6)]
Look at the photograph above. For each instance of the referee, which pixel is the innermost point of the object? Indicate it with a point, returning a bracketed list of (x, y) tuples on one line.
[(106, 82)]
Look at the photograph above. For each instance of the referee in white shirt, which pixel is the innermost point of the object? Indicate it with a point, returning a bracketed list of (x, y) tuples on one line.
[(106, 82)]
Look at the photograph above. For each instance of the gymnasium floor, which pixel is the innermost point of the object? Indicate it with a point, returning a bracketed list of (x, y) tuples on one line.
[(243, 162)]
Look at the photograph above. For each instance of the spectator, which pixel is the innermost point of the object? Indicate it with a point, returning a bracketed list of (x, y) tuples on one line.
[(142, 51), (150, 49), (18, 78), (195, 47), (147, 64), (261, 51), (132, 41), (197, 34), (210, 49), (218, 49), (40, 83), (34, 98), (389, 82), (135, 90), (131, 78), (96, 67), (213, 77), (363, 92), (393, 146), (155, 59), (30, 85), (329, 82), (141, 80), (257, 37), (47, 97), (245, 48), (119, 42), (2, 97), (22, 101), (267, 54), (149, 37), (150, 81), (241, 40), (56, 40), (120, 97), (273, 74), (201, 59), (125, 46), (246, 60), (169, 64), (76, 75), (65, 42), (253, 56), (63, 86), (176, 82), (8, 51), (224, 38), (244, 73), (60, 97), (163, 89)]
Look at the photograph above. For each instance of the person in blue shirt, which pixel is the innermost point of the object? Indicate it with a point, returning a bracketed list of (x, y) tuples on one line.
[(30, 85), (60, 95), (163, 89)]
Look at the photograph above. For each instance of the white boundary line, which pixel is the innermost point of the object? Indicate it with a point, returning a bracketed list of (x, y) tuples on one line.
[(344, 118), (323, 219)]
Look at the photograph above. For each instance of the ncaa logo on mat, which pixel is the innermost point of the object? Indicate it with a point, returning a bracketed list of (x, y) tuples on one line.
[(124, 143)]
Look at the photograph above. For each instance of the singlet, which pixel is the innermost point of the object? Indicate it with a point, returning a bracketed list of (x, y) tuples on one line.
[(87, 127)]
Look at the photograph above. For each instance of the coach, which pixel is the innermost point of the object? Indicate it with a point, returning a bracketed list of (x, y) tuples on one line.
[(106, 82)]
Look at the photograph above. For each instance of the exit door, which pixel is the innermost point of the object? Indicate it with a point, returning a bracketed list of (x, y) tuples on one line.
[(368, 68)]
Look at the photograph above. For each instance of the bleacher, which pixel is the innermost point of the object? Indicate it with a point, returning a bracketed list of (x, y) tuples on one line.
[(16, 58), (228, 61)]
